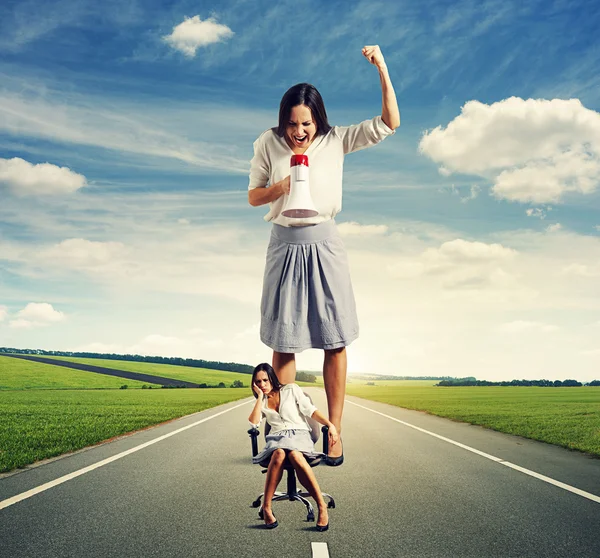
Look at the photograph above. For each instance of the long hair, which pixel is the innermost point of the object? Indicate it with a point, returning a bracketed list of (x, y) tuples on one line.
[(303, 94), (264, 367)]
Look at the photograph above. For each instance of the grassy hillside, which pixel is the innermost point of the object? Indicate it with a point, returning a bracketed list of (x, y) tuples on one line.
[(186, 373), (23, 374)]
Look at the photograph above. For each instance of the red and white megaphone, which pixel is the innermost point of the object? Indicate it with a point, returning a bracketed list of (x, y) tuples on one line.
[(299, 203)]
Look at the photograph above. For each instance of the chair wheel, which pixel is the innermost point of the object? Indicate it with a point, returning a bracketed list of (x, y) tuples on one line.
[(256, 503), (261, 514), (310, 517), (331, 504)]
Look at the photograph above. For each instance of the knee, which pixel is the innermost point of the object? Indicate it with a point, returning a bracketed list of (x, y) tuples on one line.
[(295, 456), (278, 455), (335, 352)]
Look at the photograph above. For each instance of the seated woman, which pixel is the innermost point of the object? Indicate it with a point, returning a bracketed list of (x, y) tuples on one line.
[(285, 408)]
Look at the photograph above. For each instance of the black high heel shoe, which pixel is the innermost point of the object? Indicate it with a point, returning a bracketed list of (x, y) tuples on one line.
[(271, 525), (335, 461), (322, 528)]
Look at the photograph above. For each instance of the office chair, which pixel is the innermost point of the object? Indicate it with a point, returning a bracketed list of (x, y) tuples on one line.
[(292, 493)]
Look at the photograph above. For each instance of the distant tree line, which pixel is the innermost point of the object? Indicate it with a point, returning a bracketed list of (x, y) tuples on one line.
[(197, 363), (305, 377), (540, 383)]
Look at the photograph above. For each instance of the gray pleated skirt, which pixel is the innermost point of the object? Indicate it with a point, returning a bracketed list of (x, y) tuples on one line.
[(307, 299), (299, 440)]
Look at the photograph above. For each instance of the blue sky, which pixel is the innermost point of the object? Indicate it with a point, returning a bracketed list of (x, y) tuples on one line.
[(473, 233)]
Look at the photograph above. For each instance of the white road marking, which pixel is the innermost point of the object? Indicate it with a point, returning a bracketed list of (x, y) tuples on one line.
[(65, 478), (549, 480), (319, 550)]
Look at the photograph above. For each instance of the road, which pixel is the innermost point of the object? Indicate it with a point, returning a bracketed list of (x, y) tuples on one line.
[(402, 492)]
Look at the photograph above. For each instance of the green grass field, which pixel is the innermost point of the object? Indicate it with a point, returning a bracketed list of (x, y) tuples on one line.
[(37, 424), (48, 410), (568, 417), (25, 374), (186, 373)]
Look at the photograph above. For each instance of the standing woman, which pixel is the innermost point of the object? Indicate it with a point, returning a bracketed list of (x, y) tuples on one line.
[(307, 299)]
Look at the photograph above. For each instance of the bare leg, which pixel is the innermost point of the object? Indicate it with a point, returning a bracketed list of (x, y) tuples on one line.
[(305, 472), (284, 365), (274, 474), (334, 377)]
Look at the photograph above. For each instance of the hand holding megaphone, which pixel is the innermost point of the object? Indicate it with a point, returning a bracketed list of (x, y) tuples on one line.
[(285, 185), (299, 203)]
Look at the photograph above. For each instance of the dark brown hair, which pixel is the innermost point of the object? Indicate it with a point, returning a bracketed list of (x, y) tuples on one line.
[(303, 94)]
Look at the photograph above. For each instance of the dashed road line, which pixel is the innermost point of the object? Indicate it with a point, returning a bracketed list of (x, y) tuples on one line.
[(319, 550)]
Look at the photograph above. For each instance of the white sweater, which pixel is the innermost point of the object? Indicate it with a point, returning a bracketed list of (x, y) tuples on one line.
[(271, 163), (293, 407)]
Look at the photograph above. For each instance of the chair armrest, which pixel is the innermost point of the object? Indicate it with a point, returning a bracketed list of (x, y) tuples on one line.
[(254, 432), (325, 430)]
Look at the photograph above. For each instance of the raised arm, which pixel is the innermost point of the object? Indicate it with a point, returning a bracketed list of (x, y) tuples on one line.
[(390, 113)]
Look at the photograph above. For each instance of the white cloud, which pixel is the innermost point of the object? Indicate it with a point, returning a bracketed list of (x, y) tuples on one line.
[(97, 347), (163, 345), (36, 314), (24, 178), (351, 228), (520, 326), (475, 189), (3, 313), (193, 33), (158, 345), (539, 212), (22, 324), (473, 192), (554, 228), (582, 270), (194, 260), (464, 251), (82, 254), (460, 264), (543, 181), (533, 150)]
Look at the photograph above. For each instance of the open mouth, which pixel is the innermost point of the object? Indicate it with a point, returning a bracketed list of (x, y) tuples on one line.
[(300, 140)]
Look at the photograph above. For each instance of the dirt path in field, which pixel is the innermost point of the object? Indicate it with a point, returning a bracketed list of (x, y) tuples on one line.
[(148, 378)]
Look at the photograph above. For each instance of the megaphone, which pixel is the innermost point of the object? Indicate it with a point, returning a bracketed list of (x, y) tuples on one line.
[(299, 202)]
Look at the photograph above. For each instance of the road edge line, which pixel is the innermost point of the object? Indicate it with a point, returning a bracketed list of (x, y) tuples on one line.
[(523, 470), (46, 486)]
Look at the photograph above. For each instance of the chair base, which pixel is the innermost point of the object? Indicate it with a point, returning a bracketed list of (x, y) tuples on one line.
[(297, 496)]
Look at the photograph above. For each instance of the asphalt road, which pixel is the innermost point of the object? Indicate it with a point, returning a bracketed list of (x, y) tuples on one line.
[(401, 492)]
